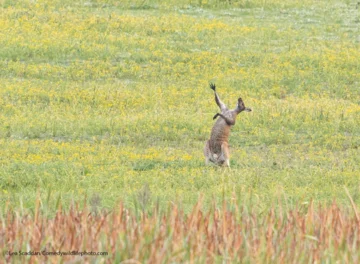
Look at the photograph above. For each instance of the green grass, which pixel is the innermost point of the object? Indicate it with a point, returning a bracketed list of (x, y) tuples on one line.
[(101, 99)]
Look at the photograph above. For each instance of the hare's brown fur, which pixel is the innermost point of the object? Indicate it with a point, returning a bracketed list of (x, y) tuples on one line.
[(216, 149)]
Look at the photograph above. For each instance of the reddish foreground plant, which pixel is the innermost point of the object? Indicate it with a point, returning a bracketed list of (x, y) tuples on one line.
[(218, 234)]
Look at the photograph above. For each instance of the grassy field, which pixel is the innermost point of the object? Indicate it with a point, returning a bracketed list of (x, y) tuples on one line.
[(110, 101)]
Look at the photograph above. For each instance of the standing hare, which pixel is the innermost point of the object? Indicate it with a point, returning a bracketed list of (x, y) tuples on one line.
[(217, 147)]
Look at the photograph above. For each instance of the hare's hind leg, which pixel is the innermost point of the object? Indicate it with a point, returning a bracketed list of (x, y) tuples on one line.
[(225, 154)]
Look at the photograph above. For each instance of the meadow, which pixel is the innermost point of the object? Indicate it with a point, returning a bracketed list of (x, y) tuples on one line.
[(105, 101), (109, 101)]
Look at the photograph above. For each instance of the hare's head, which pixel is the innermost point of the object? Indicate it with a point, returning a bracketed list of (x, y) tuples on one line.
[(241, 106)]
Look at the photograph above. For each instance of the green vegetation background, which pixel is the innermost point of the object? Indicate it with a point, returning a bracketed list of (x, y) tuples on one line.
[(111, 100)]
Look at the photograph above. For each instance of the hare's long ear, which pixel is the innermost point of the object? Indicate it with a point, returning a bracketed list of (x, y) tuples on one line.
[(228, 121), (215, 116), (221, 105)]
